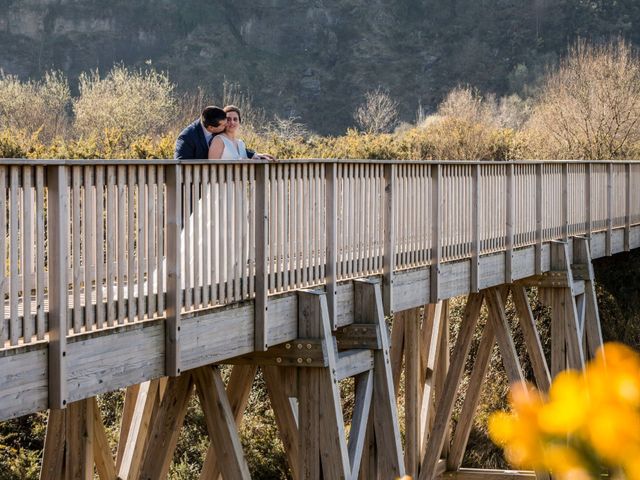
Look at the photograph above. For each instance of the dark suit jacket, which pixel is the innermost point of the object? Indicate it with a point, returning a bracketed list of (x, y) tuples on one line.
[(192, 145)]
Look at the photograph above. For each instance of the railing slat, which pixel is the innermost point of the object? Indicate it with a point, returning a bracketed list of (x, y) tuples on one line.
[(121, 242), (100, 247), (151, 241), (131, 243), (27, 254), (111, 243), (40, 253), (142, 239), (14, 326)]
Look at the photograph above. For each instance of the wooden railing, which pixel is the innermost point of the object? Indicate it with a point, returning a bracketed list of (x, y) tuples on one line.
[(116, 242)]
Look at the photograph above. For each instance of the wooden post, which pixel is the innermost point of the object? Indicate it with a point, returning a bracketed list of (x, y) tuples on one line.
[(58, 224), (475, 229), (627, 206), (436, 241), (587, 199), (331, 211), (565, 202), (609, 208), (368, 309), (539, 219), (412, 391), (54, 442), (309, 380), (565, 328), (510, 211), (389, 260), (174, 269), (79, 435), (262, 270)]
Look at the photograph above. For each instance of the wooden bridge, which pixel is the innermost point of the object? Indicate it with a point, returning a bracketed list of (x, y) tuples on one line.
[(148, 274)]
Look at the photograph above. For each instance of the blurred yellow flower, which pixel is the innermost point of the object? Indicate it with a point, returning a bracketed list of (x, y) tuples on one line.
[(590, 421)]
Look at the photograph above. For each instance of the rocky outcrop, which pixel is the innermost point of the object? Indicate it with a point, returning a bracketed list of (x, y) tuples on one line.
[(310, 58)]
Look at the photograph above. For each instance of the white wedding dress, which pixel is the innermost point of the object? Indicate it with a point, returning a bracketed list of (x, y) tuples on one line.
[(233, 150)]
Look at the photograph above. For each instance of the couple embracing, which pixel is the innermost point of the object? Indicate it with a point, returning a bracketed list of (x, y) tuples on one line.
[(215, 135)]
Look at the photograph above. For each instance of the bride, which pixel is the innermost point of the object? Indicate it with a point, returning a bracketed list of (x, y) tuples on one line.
[(227, 145)]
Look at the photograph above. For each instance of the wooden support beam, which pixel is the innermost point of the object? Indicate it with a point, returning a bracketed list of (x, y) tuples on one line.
[(565, 311), (221, 423), (309, 380), (531, 338), (134, 447), (440, 372), (592, 326), (445, 404), (358, 335), (472, 398), (353, 362), (498, 318), (101, 450), (130, 398), (302, 352), (284, 415), (238, 390), (488, 474), (54, 442), (333, 440), (362, 406), (368, 308), (166, 427), (79, 440), (397, 348), (435, 318), (412, 391)]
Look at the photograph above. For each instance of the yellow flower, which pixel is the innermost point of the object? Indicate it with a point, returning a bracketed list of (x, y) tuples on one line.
[(564, 462), (614, 432), (568, 405)]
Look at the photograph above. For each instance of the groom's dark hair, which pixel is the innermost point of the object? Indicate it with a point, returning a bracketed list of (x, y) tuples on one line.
[(211, 116)]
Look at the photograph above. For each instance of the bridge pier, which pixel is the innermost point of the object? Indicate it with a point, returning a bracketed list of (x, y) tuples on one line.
[(302, 378)]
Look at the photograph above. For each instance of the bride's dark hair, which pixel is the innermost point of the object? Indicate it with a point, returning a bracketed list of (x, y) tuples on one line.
[(233, 108)]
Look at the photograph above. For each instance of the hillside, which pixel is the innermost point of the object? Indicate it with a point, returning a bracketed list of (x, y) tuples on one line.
[(312, 59)]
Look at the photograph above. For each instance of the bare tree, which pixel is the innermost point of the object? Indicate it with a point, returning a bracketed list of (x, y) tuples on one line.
[(590, 106), (378, 113)]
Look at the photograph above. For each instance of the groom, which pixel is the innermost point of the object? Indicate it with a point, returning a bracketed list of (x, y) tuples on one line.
[(193, 142)]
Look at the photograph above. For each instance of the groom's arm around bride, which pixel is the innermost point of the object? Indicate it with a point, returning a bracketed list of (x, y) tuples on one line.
[(193, 142)]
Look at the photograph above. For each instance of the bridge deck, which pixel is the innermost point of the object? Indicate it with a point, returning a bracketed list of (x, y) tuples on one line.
[(239, 238)]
